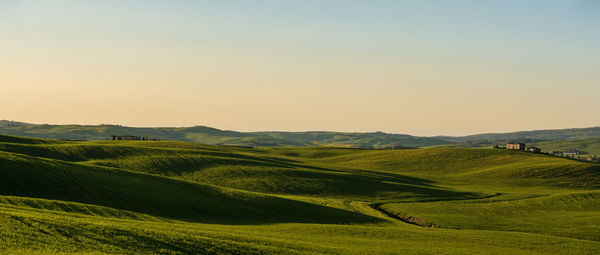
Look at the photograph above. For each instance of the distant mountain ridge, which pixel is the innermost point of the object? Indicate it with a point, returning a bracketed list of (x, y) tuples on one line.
[(209, 135), (537, 135), (4, 123)]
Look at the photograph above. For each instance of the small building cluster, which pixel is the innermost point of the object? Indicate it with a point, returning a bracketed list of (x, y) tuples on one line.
[(133, 138), (522, 147), (569, 153)]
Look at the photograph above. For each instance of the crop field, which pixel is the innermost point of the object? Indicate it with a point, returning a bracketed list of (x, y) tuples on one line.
[(165, 197)]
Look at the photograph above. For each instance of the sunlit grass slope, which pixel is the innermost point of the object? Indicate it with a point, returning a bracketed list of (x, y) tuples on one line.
[(575, 215), (591, 146), (140, 197), (454, 165), (26, 231)]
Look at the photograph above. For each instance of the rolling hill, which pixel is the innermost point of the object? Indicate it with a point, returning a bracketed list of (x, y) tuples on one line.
[(207, 135), (141, 197), (530, 136), (591, 145), (33, 177)]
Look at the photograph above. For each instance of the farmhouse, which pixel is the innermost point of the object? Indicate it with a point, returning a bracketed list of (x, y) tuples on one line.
[(534, 149), (515, 146)]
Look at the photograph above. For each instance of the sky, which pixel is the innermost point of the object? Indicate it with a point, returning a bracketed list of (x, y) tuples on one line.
[(413, 67)]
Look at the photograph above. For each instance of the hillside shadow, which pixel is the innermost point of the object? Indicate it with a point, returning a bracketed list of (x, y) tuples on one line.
[(294, 179), (274, 210), (370, 186), (169, 198), (159, 196)]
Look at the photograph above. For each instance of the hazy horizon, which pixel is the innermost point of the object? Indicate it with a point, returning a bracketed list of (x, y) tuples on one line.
[(407, 67), (316, 130)]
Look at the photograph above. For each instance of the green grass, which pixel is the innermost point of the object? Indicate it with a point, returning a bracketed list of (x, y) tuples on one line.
[(574, 215), (179, 198), (591, 146), (26, 231), (465, 166), (58, 180)]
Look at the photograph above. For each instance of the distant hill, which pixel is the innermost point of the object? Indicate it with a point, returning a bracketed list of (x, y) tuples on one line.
[(530, 136), (6, 123), (590, 145), (361, 140), (208, 135)]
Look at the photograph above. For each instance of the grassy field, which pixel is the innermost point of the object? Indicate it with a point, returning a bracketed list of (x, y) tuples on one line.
[(141, 197), (591, 146)]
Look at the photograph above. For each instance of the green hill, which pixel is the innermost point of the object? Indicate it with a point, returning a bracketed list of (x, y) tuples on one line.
[(490, 166), (591, 146), (207, 135), (571, 214), (159, 196), (140, 197), (530, 136), (247, 169)]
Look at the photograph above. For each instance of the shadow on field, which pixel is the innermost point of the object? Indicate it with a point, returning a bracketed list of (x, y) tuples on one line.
[(26, 176), (294, 181), (245, 172)]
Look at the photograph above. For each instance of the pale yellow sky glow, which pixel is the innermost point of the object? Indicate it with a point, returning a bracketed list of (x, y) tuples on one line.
[(256, 75)]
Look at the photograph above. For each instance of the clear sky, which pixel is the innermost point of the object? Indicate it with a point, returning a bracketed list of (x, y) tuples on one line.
[(418, 67)]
